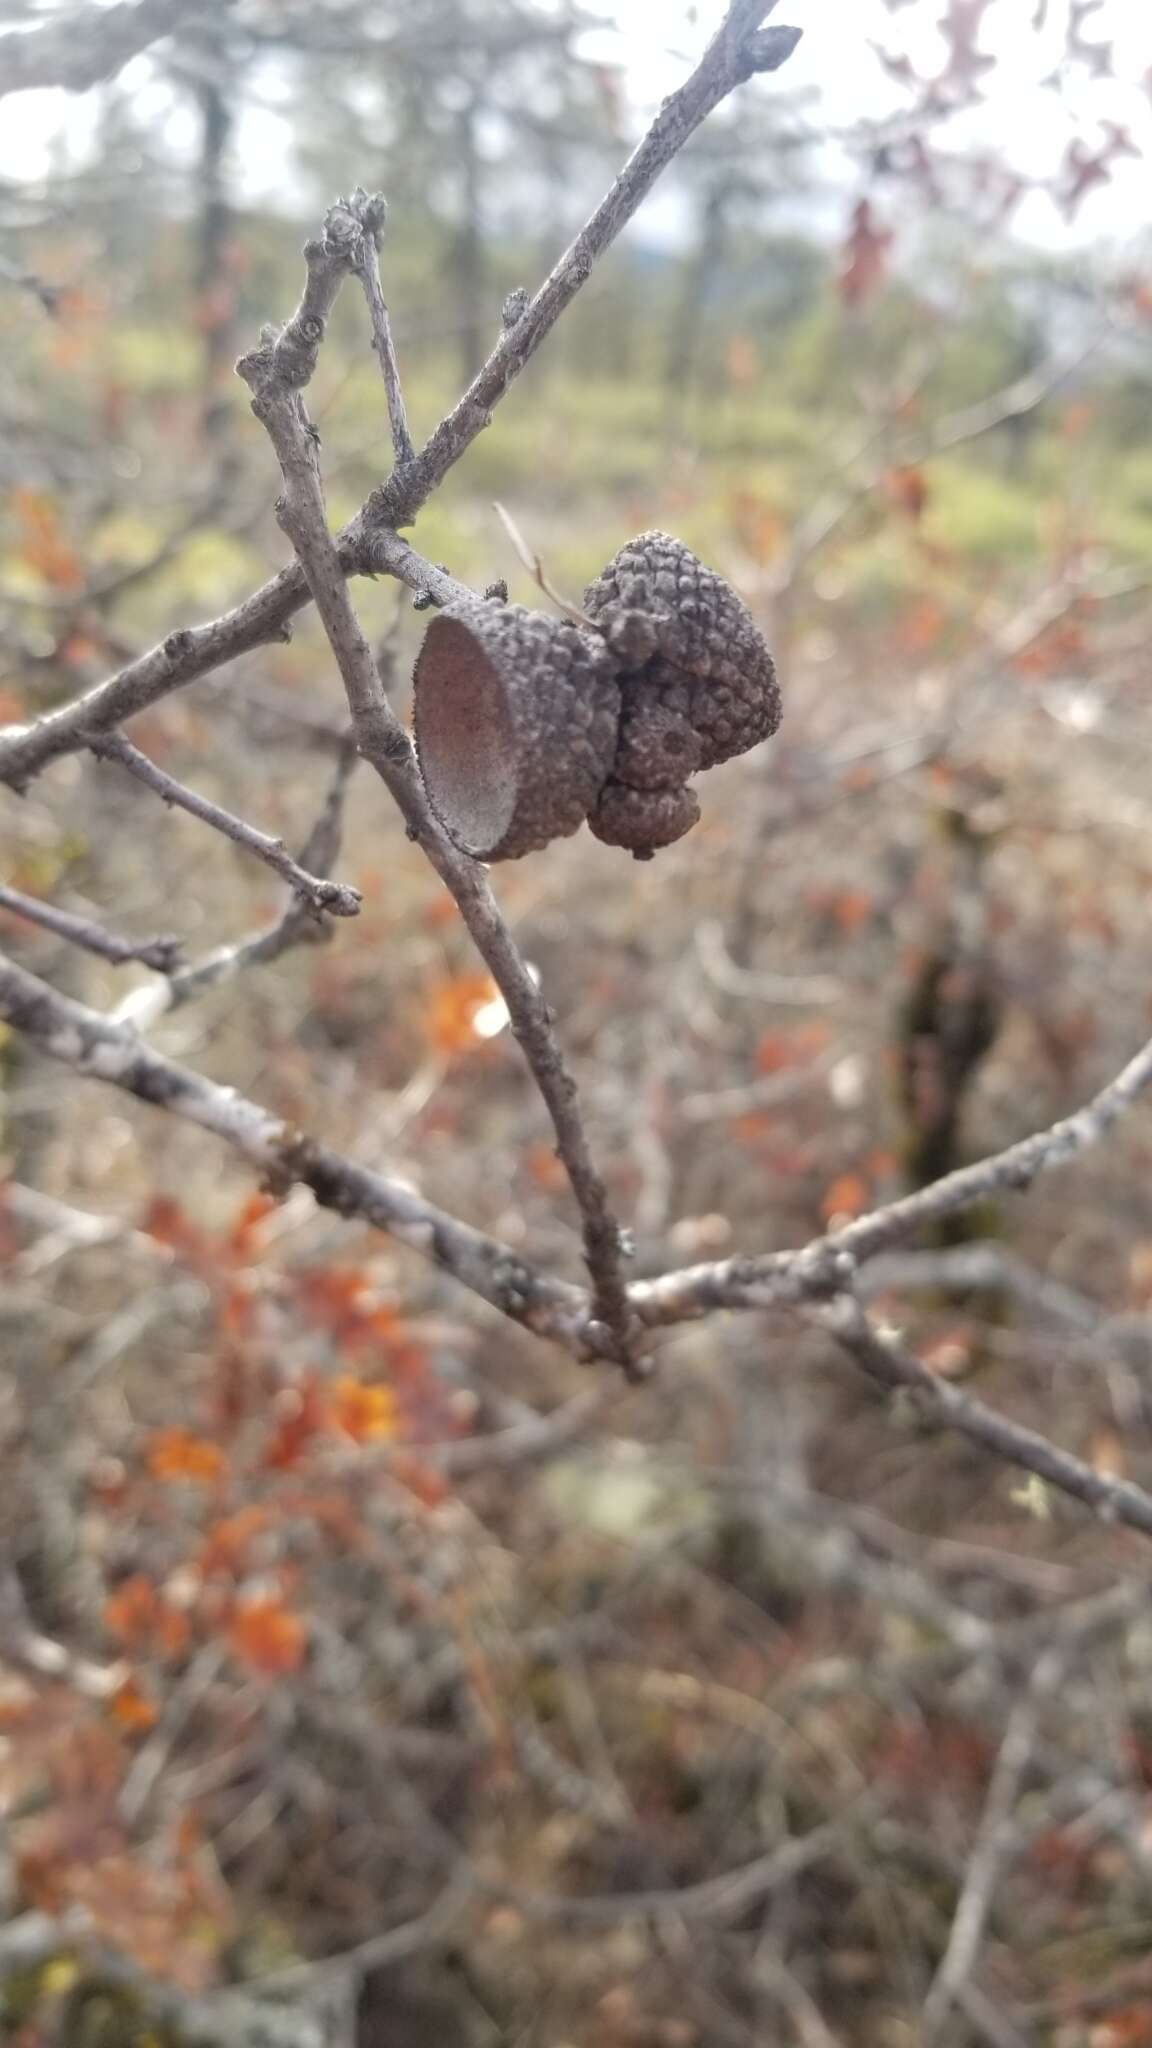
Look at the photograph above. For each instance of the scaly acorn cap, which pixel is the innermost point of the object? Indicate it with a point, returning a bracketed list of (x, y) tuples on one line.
[(516, 717), (687, 643), (643, 820)]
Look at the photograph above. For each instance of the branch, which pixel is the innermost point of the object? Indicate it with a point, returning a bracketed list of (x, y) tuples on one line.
[(83, 47), (780, 1277), (161, 953), (993, 1843), (111, 1051), (298, 924), (887, 1362), (368, 270), (736, 52), (384, 743), (319, 894), (193, 651)]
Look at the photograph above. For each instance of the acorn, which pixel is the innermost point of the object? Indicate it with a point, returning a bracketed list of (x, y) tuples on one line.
[(516, 719), (643, 820), (687, 644), (525, 725)]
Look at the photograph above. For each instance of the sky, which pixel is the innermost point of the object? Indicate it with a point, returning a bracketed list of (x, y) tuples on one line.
[(655, 41)]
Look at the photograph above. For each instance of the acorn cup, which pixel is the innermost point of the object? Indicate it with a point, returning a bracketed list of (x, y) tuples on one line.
[(698, 686), (516, 718), (526, 725)]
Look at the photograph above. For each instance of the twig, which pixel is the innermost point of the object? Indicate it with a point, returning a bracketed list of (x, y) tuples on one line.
[(295, 926), (49, 295), (736, 52), (366, 545), (320, 895), (891, 1365), (427, 1930), (394, 556), (370, 215), (25, 750), (992, 1846), (383, 742), (714, 1898), (160, 953), (111, 1051), (535, 567), (990, 1267), (78, 49), (789, 1276)]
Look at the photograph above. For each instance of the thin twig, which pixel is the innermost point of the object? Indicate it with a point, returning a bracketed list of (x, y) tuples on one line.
[(159, 953), (891, 1365), (78, 49), (366, 544), (535, 567), (321, 895), (296, 925), (736, 52), (371, 214), (778, 1277), (384, 743), (992, 1847), (110, 1050)]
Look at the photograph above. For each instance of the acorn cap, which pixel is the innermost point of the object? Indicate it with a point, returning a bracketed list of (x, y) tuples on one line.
[(643, 819), (515, 718), (686, 642)]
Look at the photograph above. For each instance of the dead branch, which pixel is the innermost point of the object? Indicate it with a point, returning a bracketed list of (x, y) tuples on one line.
[(80, 48), (739, 49), (112, 1051), (887, 1361), (275, 372), (320, 895), (780, 1277), (160, 953)]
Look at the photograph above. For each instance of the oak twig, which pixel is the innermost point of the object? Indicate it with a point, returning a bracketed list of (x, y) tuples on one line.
[(383, 742), (161, 953), (887, 1361), (111, 1050), (320, 895), (737, 51)]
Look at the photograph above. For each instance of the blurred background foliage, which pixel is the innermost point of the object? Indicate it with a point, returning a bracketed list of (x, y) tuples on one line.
[(282, 1643)]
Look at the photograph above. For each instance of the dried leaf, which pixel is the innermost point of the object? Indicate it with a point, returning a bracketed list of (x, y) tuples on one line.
[(847, 1197), (267, 1636), (132, 1710), (177, 1454), (365, 1413), (453, 1009), (865, 256)]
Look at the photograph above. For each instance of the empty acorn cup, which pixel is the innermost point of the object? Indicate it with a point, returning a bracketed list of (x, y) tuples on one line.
[(516, 718)]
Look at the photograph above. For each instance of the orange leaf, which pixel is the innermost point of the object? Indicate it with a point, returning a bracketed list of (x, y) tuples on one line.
[(908, 489), (227, 1542), (367, 1414), (543, 1166), (268, 1636), (42, 544), (132, 1708), (429, 1486), (244, 1236), (452, 1011), (865, 256), (177, 1454), (950, 1354), (847, 1196), (165, 1220), (299, 1416), (131, 1611)]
